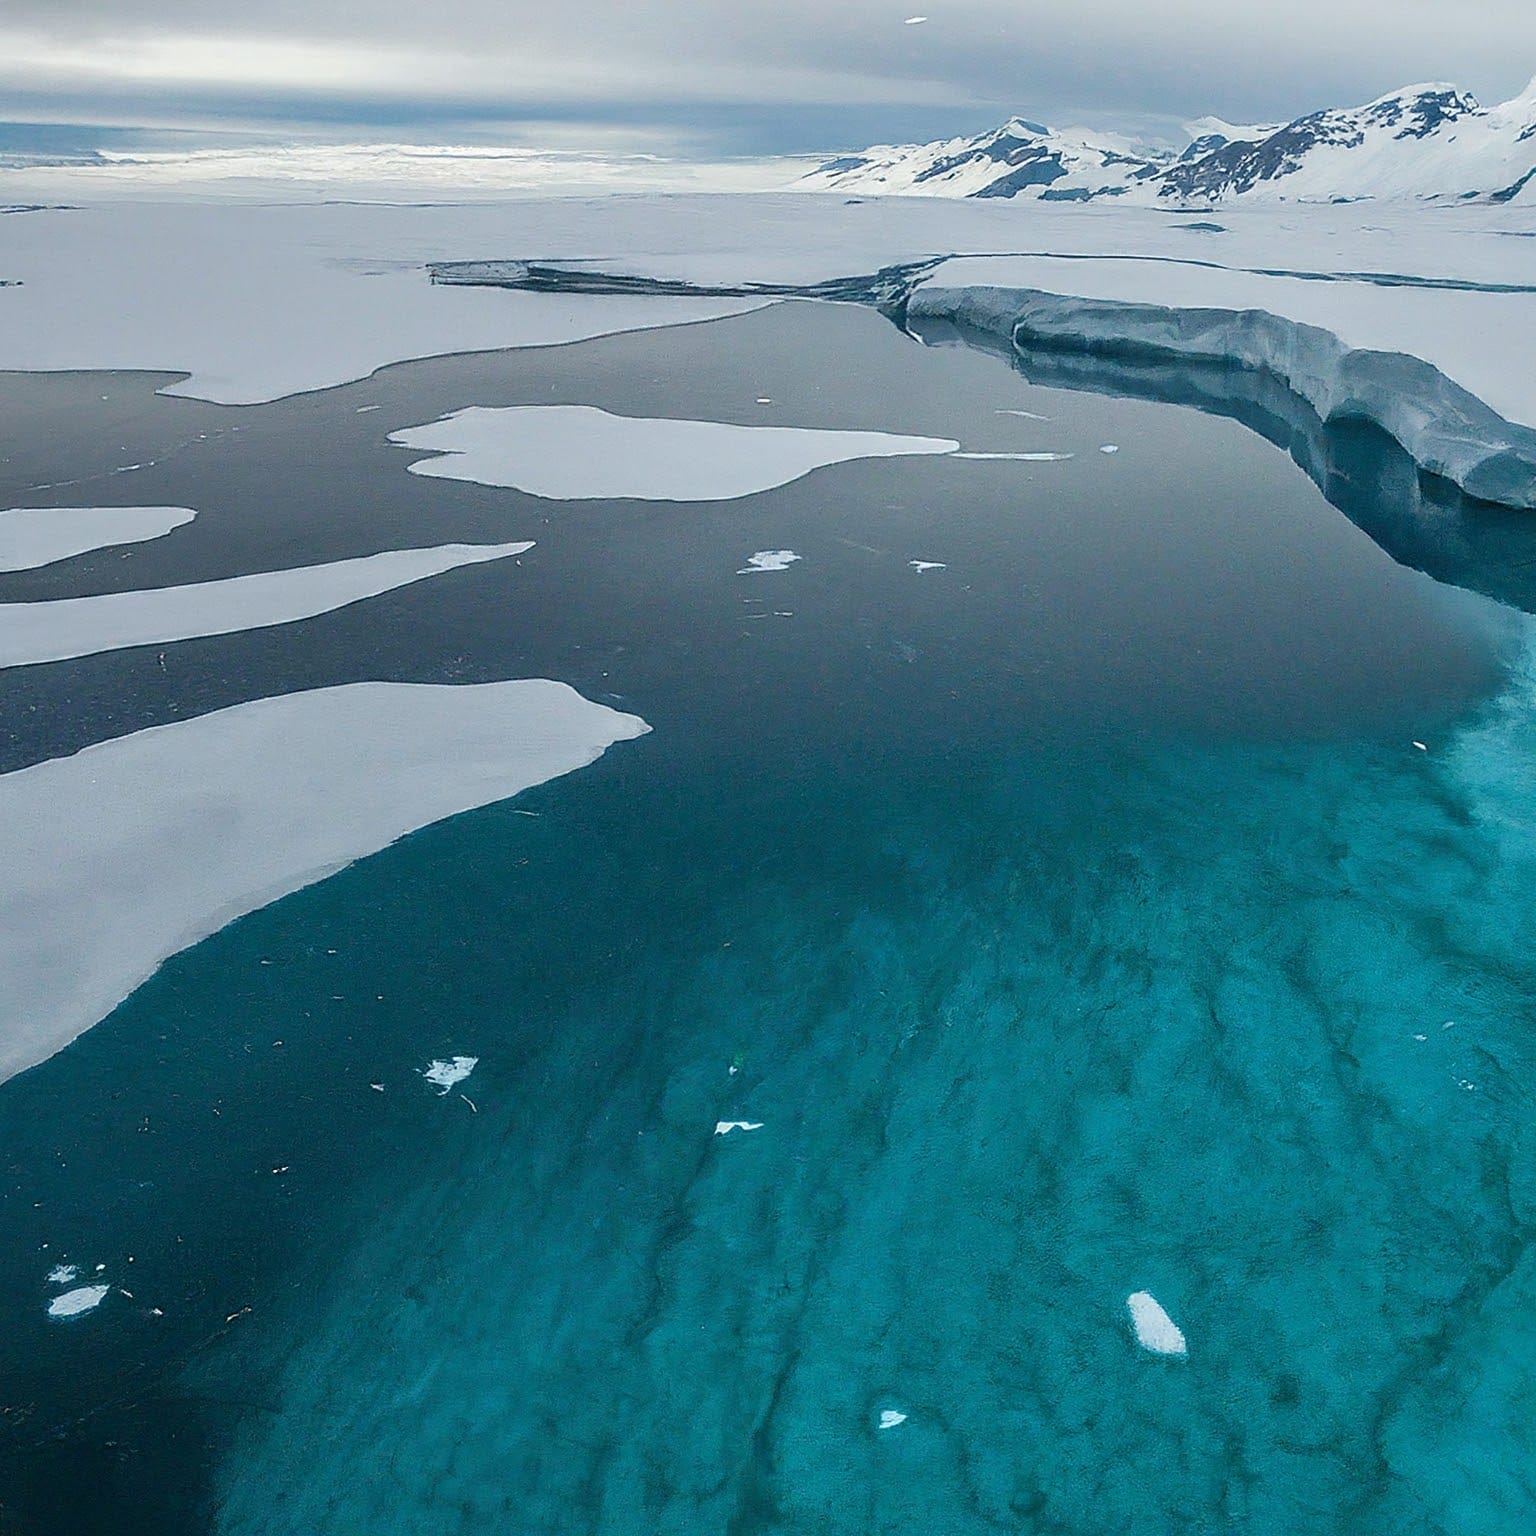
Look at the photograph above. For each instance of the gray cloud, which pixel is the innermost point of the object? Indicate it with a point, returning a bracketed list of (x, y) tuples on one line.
[(801, 61)]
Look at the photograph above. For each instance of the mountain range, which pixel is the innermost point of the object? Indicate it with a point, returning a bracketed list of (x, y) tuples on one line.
[(1424, 141)]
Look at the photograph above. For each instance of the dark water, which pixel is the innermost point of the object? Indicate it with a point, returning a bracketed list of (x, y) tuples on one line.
[(1068, 916)]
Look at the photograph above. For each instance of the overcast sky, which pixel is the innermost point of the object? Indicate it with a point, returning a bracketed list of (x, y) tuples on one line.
[(734, 75)]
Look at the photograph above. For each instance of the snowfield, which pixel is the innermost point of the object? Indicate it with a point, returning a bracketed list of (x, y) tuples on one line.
[(260, 300)]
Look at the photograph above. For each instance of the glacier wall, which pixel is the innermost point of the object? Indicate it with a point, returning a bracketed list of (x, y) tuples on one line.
[(1447, 431)]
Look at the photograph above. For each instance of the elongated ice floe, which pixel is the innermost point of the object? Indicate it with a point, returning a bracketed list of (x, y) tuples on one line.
[(134, 849), (1155, 1330), (578, 452), (725, 1127), (83, 626), (34, 536)]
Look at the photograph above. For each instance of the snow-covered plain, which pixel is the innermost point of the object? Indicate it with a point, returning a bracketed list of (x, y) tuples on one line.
[(258, 300), (264, 300), (105, 852), (577, 452), (84, 626), (34, 536)]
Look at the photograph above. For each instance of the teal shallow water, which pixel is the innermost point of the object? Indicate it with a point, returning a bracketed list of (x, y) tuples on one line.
[(1021, 1041), (1071, 930)]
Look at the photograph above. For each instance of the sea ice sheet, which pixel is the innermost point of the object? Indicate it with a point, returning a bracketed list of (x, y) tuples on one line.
[(578, 452), (34, 536), (83, 626), (133, 849), (76, 1303)]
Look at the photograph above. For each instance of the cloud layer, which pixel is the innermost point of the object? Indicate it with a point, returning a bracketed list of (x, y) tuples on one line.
[(510, 59)]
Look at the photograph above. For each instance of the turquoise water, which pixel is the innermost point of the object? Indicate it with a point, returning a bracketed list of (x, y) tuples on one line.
[(1109, 933)]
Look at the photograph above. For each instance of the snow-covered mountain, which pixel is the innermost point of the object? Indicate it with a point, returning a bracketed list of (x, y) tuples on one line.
[(1020, 159), (1425, 141), (1422, 141)]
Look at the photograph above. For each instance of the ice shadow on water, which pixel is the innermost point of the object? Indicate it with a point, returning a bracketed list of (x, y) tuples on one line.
[(1420, 520)]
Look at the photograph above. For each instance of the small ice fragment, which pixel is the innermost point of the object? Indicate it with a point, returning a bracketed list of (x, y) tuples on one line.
[(449, 1074), (764, 400), (914, 21), (1449, 1024), (890, 1418), (768, 560), (725, 1127), (1461, 1082), (1109, 448), (1421, 1037), (1155, 1330), (85, 1298), (363, 408), (1420, 745), (377, 1087), (63, 1274), (1028, 415), (927, 565)]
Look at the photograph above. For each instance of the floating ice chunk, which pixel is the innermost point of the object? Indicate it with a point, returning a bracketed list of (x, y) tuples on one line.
[(1109, 448), (63, 1274), (85, 1298), (725, 1127), (85, 626), (34, 536), (768, 560), (1155, 1330), (105, 853), (1420, 745), (1028, 415), (890, 1418), (1025, 458), (914, 21), (577, 452), (927, 565), (364, 409), (449, 1074)]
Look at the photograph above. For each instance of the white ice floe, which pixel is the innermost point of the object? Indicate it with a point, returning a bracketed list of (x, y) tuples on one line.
[(891, 1417), (133, 849), (578, 452), (927, 565), (257, 302), (914, 21), (63, 1274), (1155, 1330), (768, 560), (82, 626), (34, 536), (1028, 415), (85, 1298), (448, 1074), (725, 1127), (1109, 448)]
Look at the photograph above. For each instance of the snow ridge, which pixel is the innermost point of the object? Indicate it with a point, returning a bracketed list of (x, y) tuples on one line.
[(1448, 431)]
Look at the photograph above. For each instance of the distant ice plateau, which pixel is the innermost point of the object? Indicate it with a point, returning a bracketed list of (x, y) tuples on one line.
[(106, 852), (1419, 316)]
